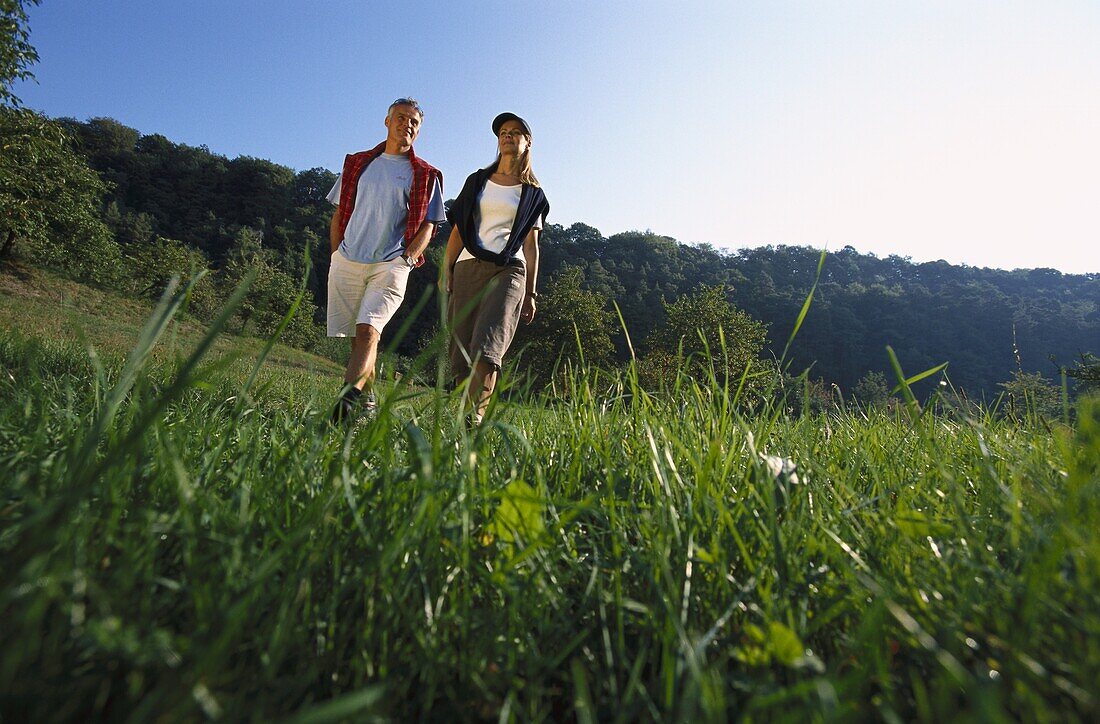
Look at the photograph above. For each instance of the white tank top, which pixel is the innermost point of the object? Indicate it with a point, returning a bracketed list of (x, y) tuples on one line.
[(497, 207)]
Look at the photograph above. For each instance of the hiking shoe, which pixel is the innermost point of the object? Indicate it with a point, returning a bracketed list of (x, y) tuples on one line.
[(345, 406), (342, 411)]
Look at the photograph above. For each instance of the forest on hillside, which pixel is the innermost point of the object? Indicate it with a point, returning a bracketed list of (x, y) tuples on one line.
[(165, 208)]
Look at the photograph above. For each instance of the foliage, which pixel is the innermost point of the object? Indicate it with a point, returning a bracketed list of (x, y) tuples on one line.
[(871, 390), (157, 263), (51, 200), (132, 230), (571, 324), (203, 199), (1086, 372), (1028, 394), (810, 395), (929, 312), (182, 543), (271, 295), (707, 337), (17, 54)]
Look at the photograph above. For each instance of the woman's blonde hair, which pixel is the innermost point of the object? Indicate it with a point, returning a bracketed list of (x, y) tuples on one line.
[(522, 167)]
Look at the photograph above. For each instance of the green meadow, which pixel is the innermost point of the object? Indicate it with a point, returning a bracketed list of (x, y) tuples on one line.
[(185, 538)]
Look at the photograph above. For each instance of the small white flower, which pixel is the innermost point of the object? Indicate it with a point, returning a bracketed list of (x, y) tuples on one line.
[(782, 469)]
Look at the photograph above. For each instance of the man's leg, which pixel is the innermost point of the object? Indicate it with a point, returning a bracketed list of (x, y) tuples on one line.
[(385, 288), (359, 373), (364, 355)]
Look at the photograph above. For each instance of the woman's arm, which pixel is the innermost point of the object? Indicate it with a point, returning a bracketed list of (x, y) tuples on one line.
[(531, 255), (454, 248)]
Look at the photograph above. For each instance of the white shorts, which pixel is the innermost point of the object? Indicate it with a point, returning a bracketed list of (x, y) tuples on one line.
[(363, 293)]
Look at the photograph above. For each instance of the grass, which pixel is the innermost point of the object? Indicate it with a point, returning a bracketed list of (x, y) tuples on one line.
[(184, 542), (41, 305)]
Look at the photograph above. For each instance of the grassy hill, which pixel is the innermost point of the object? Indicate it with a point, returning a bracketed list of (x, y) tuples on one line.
[(36, 303), (182, 542)]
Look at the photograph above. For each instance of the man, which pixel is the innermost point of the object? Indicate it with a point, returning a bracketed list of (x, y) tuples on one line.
[(388, 203)]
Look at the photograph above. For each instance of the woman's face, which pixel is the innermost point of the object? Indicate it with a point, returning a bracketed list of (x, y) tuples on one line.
[(512, 141)]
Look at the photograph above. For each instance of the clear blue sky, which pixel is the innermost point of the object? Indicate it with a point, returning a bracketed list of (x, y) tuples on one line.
[(965, 131)]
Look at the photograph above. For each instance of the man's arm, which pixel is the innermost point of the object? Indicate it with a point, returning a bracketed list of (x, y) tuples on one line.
[(335, 235), (419, 242), (416, 246)]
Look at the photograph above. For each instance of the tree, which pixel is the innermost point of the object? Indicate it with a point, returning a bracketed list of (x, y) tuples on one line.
[(565, 313), (261, 190), (871, 390), (154, 264), (17, 55), (49, 196), (311, 187), (1087, 373), (51, 199), (1032, 393), (270, 299), (928, 312), (703, 329), (271, 295), (133, 230)]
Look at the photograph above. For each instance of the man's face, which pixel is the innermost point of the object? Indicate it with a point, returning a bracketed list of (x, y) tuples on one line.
[(403, 123)]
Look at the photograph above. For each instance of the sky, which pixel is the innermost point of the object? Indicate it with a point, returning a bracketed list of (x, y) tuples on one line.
[(962, 131)]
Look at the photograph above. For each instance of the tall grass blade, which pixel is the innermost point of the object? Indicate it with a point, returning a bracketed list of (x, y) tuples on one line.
[(342, 708), (626, 332), (911, 405), (805, 307), (909, 381)]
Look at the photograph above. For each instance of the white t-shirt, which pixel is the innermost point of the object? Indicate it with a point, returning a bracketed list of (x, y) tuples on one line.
[(497, 207), (376, 229)]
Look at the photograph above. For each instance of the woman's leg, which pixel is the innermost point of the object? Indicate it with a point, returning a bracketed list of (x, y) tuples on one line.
[(463, 307), (493, 332), (483, 380)]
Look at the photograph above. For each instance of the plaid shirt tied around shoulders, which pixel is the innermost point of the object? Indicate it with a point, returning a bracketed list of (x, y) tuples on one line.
[(419, 195)]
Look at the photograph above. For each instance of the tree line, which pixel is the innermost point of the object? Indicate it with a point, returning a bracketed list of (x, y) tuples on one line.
[(135, 209)]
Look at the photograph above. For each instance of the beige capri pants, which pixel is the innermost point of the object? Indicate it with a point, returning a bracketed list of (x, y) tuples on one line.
[(483, 311)]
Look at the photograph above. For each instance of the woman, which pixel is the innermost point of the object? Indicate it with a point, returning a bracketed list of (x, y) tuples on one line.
[(492, 262)]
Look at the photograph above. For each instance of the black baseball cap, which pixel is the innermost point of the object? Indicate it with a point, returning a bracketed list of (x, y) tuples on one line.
[(504, 118)]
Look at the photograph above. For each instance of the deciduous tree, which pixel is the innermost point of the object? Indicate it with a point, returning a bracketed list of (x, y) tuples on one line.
[(1087, 373), (1032, 393), (566, 313), (271, 295), (51, 200), (703, 329), (871, 390), (17, 54)]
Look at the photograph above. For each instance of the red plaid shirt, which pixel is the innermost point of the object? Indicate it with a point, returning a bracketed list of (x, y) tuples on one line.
[(419, 195)]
